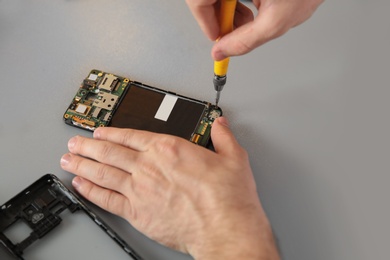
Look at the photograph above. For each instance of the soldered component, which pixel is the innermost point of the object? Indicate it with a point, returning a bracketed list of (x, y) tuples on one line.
[(195, 138), (202, 128), (91, 96), (88, 84), (214, 114), (109, 82), (107, 116), (82, 109), (93, 77), (96, 112), (105, 100), (82, 122)]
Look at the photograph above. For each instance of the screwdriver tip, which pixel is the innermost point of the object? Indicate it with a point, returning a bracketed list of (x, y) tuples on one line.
[(217, 96)]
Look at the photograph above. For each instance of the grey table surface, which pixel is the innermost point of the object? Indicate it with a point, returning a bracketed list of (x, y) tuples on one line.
[(311, 108)]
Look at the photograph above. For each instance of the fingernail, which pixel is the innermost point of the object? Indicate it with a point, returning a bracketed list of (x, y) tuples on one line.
[(76, 182), (223, 121), (65, 159), (72, 142), (96, 133), (218, 56)]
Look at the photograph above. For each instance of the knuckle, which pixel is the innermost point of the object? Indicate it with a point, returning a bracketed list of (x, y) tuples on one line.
[(102, 172), (276, 28), (242, 47), (148, 168), (105, 151), (106, 199), (168, 145), (131, 136), (123, 179), (86, 191), (241, 154), (127, 137), (76, 164)]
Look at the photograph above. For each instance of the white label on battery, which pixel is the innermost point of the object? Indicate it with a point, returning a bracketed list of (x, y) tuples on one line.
[(166, 107)]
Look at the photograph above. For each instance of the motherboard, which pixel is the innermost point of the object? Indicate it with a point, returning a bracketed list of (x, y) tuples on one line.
[(105, 99)]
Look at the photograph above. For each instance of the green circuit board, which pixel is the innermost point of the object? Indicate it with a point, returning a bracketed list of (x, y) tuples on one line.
[(96, 100), (104, 99), (203, 131)]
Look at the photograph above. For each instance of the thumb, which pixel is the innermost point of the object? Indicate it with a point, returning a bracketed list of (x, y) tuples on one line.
[(223, 139), (248, 37)]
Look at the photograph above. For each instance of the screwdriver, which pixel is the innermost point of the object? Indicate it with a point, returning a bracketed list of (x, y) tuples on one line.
[(226, 18)]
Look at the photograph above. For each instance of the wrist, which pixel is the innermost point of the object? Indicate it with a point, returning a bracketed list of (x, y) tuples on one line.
[(246, 239)]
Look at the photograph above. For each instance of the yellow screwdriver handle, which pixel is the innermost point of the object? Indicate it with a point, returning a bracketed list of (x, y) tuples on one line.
[(226, 18)]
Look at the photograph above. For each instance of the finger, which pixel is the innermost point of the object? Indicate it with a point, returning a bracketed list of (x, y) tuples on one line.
[(103, 175), (223, 139), (243, 15), (256, 3), (268, 25), (134, 139), (105, 198), (105, 152), (204, 12)]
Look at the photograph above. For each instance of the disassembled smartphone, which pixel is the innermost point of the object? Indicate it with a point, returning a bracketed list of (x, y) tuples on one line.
[(105, 99), (39, 207)]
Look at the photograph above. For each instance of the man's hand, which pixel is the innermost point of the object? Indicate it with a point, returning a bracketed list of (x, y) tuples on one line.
[(184, 196), (275, 17)]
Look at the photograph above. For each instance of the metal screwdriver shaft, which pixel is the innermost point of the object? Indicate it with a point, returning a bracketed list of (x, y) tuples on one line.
[(219, 83)]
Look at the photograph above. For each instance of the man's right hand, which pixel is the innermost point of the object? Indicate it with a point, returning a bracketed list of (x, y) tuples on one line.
[(275, 17)]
